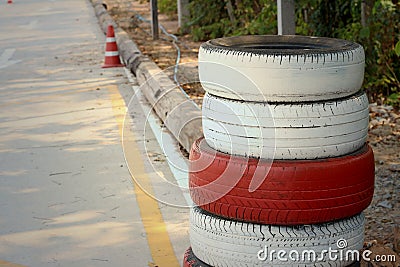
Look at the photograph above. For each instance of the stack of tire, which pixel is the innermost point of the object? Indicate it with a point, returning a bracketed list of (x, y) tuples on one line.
[(284, 167)]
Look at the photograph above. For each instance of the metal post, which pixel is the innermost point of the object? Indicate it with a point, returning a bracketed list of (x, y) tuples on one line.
[(154, 19), (363, 14), (229, 8), (183, 14), (286, 17)]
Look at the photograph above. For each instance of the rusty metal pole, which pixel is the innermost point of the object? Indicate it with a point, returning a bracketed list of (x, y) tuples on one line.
[(154, 19)]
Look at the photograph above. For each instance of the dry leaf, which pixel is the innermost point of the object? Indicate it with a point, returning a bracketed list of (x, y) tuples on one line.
[(379, 251)]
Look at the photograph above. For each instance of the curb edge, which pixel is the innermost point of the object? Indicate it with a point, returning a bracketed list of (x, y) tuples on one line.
[(157, 87)]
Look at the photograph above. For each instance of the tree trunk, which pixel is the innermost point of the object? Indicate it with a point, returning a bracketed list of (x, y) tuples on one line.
[(231, 13)]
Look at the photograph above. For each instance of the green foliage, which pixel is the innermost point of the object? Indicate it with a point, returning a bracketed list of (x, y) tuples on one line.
[(397, 49), (210, 18), (168, 7), (379, 34), (375, 25), (259, 19), (383, 68), (394, 99)]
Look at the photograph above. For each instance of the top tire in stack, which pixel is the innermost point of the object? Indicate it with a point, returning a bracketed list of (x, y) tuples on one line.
[(284, 162)]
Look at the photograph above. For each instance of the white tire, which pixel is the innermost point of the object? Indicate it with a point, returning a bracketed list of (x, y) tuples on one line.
[(296, 131), (224, 243), (281, 68)]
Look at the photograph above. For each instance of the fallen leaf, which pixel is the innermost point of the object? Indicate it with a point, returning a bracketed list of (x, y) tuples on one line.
[(379, 251)]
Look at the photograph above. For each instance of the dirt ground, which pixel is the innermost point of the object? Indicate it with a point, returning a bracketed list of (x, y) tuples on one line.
[(383, 215), (134, 16)]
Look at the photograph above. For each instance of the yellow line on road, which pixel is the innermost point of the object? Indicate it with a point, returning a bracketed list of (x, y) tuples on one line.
[(156, 232), (9, 264)]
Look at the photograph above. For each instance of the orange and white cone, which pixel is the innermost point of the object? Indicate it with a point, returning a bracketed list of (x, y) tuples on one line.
[(112, 55)]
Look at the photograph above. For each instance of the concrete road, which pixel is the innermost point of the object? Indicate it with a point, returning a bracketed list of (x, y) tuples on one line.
[(67, 196)]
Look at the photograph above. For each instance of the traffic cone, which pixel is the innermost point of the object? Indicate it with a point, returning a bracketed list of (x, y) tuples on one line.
[(9, 2), (112, 54)]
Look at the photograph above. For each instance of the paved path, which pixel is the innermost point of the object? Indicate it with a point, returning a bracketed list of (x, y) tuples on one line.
[(66, 192)]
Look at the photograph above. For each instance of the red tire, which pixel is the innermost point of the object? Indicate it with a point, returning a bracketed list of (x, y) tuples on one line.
[(190, 260), (292, 192)]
